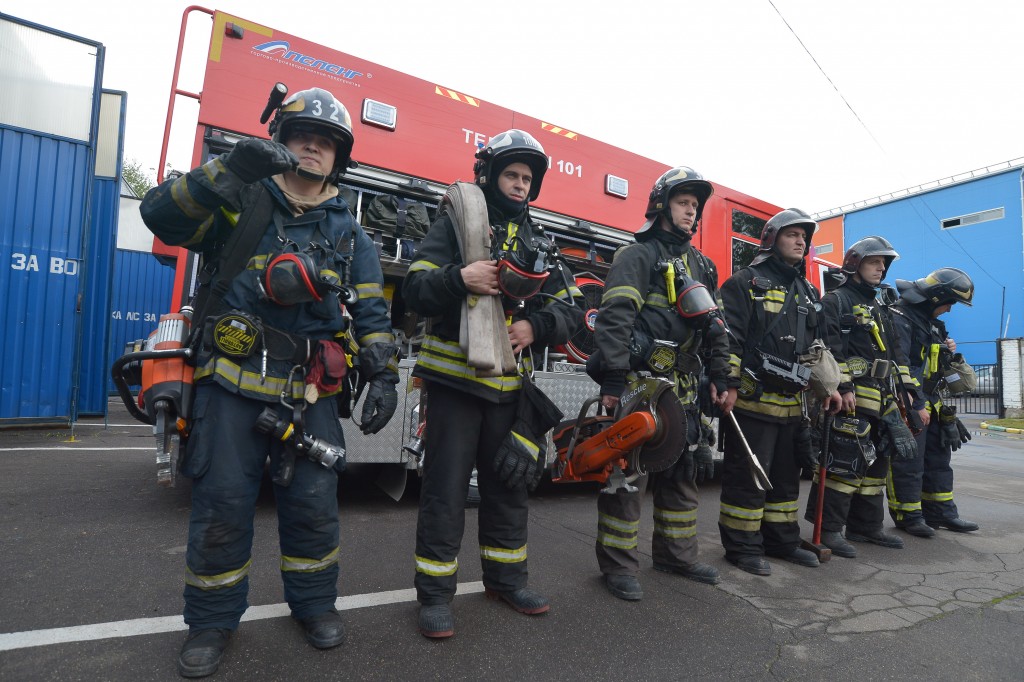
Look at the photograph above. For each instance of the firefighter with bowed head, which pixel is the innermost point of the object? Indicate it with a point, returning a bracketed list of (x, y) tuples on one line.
[(476, 417), (774, 316), (659, 303), (922, 488), (875, 381), (269, 364)]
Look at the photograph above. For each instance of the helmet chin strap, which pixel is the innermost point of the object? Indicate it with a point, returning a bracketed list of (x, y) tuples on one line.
[(310, 174), (686, 235)]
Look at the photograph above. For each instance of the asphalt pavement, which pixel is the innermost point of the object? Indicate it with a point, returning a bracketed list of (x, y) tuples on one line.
[(92, 561)]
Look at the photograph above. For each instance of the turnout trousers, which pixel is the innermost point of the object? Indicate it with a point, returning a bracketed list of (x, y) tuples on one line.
[(922, 488), (751, 521), (675, 524), (851, 500), (464, 431), (226, 459)]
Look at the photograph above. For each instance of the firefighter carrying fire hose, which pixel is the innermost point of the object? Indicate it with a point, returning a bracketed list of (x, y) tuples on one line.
[(922, 488), (875, 383), (478, 417), (773, 315), (268, 366), (658, 314)]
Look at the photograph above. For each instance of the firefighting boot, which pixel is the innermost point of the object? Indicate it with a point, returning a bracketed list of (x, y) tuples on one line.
[(835, 541), (324, 630), (801, 557), (624, 587), (752, 563), (522, 600), (702, 573), (436, 621), (876, 537), (200, 654), (919, 529), (958, 525)]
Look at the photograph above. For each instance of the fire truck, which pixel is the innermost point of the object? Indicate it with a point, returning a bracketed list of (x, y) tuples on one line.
[(413, 138)]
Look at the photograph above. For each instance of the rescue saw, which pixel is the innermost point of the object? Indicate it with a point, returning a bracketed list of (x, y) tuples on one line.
[(161, 364), (647, 433)]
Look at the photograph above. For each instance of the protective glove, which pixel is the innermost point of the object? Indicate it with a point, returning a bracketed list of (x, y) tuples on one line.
[(520, 458), (686, 461), (703, 462), (896, 438), (804, 452), (951, 429), (965, 435), (381, 402), (253, 159)]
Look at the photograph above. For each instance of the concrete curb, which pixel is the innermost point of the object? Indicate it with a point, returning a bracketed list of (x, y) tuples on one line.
[(996, 427)]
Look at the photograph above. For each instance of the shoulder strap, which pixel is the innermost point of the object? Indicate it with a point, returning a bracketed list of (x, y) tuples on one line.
[(215, 278)]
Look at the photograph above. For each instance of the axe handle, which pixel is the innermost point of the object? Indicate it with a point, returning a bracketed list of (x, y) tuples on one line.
[(819, 505)]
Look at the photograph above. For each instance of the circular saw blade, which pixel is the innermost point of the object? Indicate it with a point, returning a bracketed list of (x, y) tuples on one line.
[(664, 449)]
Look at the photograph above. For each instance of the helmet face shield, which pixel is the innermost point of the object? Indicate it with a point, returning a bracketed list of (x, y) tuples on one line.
[(517, 283), (693, 300), (293, 278)]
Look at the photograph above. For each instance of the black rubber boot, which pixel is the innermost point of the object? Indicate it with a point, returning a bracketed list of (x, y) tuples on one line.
[(875, 537), (752, 564), (436, 621), (958, 525), (624, 587), (324, 630), (919, 529), (801, 557), (835, 541), (200, 654), (702, 573), (522, 600)]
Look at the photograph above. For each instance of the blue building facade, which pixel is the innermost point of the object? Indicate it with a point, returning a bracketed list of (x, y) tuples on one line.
[(975, 225)]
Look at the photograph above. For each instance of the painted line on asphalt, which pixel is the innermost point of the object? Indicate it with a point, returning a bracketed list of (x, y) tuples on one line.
[(151, 626), (49, 449), (119, 426)]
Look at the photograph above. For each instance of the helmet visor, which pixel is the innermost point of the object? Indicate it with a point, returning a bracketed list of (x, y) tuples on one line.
[(518, 284), (694, 300)]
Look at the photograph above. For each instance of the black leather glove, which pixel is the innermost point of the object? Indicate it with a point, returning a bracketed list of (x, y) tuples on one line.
[(253, 159), (895, 438), (520, 458), (805, 453), (965, 435), (703, 462), (951, 430), (381, 402)]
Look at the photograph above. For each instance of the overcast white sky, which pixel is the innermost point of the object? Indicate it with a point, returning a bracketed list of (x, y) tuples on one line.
[(723, 86)]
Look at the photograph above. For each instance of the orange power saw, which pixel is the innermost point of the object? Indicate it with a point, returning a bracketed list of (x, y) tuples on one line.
[(646, 434)]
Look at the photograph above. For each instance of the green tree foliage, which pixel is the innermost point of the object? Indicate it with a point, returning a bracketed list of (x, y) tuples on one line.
[(136, 177)]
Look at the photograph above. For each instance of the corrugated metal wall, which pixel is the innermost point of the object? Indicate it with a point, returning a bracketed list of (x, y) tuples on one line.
[(990, 252), (142, 293)]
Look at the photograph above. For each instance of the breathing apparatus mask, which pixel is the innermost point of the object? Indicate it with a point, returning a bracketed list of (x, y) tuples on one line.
[(691, 298), (292, 277), (522, 265)]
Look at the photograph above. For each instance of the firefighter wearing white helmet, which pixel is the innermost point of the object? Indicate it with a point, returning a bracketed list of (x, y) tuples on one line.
[(286, 371), (636, 313), (922, 489), (858, 328), (478, 420), (774, 318)]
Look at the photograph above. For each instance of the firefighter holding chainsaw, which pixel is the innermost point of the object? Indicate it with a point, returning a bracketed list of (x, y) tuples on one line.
[(658, 315), (269, 363), (922, 489), (871, 434), (477, 416), (774, 319)]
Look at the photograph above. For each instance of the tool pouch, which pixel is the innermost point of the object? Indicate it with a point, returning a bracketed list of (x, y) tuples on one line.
[(850, 448)]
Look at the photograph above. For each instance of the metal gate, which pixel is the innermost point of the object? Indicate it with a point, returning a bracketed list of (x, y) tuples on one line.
[(986, 398)]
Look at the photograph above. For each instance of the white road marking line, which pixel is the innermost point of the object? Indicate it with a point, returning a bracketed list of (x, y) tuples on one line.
[(49, 449), (151, 626), (118, 426)]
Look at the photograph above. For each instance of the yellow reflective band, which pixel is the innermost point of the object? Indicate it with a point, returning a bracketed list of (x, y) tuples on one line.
[(786, 506), (867, 480), (623, 292), (620, 525), (937, 497), (445, 358), (369, 290), (657, 300), (422, 265), (671, 516), (530, 446), (675, 532), (840, 486), (215, 582), (609, 540), (869, 490), (780, 517), (896, 505), (304, 565), (502, 555), (185, 202), (730, 522), (436, 568), (379, 337), (249, 382), (740, 512)]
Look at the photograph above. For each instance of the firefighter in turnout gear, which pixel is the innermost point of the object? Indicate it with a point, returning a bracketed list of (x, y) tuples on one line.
[(859, 330), (922, 489), (636, 311), (470, 417), (268, 351), (773, 314)]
